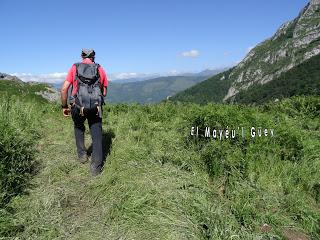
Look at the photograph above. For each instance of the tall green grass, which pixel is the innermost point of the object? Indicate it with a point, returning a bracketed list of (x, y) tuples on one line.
[(161, 183), (19, 125), (273, 180)]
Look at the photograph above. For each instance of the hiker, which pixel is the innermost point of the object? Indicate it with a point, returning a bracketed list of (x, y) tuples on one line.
[(89, 85)]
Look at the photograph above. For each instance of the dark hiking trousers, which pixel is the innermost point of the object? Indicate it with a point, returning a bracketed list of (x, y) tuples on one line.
[(95, 125)]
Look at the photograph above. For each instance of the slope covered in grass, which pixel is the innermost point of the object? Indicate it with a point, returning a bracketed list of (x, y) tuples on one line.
[(22, 90), (210, 90), (161, 183)]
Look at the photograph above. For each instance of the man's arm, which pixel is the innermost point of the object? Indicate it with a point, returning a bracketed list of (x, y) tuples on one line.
[(104, 92), (104, 81), (64, 94), (64, 90)]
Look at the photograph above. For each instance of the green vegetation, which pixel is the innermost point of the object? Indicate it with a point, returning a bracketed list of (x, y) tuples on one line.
[(18, 133), (210, 90), (301, 80), (161, 183), (22, 90), (150, 91)]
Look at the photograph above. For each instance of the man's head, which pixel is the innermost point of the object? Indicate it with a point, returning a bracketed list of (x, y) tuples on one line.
[(88, 53)]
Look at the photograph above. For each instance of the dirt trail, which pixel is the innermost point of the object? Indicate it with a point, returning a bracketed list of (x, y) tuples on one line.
[(60, 205)]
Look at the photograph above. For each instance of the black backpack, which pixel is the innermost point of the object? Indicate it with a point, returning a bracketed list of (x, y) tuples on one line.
[(89, 95)]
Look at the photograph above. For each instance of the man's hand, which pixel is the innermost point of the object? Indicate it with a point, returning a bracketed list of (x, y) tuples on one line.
[(66, 112)]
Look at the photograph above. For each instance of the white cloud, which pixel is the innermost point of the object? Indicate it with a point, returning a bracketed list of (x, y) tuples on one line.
[(174, 72), (191, 53), (119, 76), (46, 78), (60, 77)]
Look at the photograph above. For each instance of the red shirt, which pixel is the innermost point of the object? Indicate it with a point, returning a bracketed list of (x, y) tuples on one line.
[(72, 73)]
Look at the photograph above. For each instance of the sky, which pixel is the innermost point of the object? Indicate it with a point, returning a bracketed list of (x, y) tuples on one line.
[(42, 39)]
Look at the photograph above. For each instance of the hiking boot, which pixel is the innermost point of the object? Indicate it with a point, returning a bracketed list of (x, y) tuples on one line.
[(83, 159), (95, 171)]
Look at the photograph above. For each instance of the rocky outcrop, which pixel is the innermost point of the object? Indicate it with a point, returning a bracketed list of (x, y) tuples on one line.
[(295, 42), (51, 94), (4, 76)]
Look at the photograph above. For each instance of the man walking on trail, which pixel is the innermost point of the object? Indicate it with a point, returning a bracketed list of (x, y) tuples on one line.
[(89, 85)]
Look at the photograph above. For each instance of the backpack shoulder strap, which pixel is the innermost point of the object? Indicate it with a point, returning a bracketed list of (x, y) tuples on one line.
[(77, 65), (97, 66), (75, 79)]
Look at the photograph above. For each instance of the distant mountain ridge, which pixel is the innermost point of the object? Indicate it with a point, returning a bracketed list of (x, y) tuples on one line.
[(293, 44), (205, 73), (150, 91), (135, 90)]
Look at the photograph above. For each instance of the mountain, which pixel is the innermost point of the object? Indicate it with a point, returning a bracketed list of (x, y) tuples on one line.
[(293, 44), (303, 79), (157, 89), (153, 90), (150, 91), (212, 90), (210, 72), (144, 77)]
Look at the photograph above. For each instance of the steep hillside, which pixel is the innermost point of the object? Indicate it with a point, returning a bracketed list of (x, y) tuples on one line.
[(10, 88), (294, 43), (301, 80), (35, 91)]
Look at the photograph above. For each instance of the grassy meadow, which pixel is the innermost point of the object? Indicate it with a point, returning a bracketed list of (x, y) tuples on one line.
[(158, 181)]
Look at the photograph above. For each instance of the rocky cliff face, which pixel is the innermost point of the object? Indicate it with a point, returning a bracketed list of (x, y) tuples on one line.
[(294, 43)]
